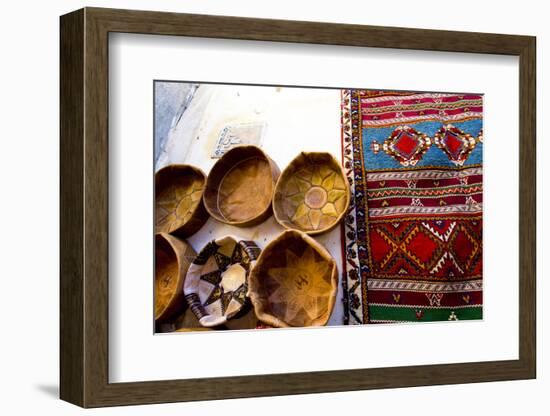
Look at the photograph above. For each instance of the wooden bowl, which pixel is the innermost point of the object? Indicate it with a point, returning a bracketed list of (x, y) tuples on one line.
[(179, 208), (240, 187), (294, 282), (217, 281), (312, 194), (172, 259)]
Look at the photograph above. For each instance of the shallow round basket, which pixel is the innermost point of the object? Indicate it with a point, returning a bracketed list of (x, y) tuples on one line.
[(179, 208), (240, 187), (172, 259), (217, 280), (294, 282), (312, 194)]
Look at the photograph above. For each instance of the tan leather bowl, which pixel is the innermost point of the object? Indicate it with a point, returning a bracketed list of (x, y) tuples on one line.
[(312, 194), (240, 187), (179, 208), (294, 282), (172, 259)]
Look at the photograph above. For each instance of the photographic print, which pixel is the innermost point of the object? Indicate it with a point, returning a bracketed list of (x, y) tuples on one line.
[(289, 204), (284, 206)]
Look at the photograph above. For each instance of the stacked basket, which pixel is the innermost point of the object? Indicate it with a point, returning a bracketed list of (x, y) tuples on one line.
[(292, 282)]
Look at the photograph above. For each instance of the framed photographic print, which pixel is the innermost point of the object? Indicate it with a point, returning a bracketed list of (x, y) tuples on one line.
[(255, 207)]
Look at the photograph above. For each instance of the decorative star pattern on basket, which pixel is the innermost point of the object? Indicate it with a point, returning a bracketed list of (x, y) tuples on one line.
[(175, 205), (216, 283), (316, 196), (303, 287), (221, 292)]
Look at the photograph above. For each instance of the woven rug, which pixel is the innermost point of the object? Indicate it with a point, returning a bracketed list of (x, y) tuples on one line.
[(413, 236)]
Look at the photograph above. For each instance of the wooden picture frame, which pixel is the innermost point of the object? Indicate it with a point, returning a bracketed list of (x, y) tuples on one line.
[(84, 207)]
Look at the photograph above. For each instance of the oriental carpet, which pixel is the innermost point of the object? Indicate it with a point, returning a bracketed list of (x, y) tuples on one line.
[(413, 243)]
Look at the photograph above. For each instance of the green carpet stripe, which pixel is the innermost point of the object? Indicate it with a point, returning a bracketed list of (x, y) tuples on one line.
[(406, 313)]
